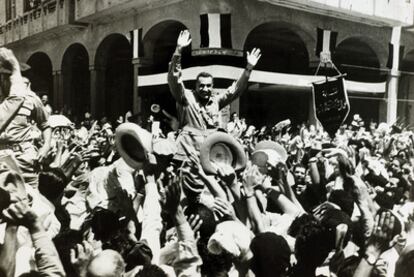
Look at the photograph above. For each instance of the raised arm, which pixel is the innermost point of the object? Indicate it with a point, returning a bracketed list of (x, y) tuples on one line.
[(237, 88), (174, 72)]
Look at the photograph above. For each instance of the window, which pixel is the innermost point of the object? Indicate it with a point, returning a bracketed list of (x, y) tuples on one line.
[(9, 4), (30, 5)]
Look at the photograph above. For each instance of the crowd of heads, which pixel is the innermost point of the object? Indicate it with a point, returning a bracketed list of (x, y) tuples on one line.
[(302, 204)]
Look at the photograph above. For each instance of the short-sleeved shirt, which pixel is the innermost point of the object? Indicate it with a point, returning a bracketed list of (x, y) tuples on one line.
[(21, 128)]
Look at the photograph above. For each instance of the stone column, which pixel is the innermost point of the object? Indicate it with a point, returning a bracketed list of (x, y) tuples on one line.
[(311, 111), (136, 106), (392, 96), (57, 90), (97, 79)]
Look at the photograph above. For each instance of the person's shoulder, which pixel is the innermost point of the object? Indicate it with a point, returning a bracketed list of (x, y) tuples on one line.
[(32, 96)]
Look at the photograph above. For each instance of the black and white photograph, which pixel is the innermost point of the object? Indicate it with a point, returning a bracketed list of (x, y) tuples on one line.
[(206, 138)]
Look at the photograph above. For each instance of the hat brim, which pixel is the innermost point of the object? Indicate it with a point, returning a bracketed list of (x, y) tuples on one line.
[(272, 145), (238, 156), (133, 143)]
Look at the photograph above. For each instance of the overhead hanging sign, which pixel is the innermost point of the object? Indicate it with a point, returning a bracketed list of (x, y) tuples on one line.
[(331, 103)]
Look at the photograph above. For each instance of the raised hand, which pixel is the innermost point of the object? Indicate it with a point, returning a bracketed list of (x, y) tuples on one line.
[(226, 173), (173, 197), (382, 233), (8, 60), (224, 209), (81, 256), (251, 178), (195, 223), (20, 213), (184, 39), (253, 57)]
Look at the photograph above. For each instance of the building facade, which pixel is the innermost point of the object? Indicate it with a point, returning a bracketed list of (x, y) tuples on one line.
[(86, 57)]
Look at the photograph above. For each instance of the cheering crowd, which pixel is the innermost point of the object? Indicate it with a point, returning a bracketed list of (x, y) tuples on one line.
[(191, 197)]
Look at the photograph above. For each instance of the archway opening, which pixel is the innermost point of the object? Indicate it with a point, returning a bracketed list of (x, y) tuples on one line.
[(40, 74), (159, 45), (359, 61), (283, 51), (406, 89), (76, 81), (114, 62)]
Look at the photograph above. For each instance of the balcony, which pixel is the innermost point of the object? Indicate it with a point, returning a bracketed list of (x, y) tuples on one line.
[(52, 17), (100, 11), (374, 12)]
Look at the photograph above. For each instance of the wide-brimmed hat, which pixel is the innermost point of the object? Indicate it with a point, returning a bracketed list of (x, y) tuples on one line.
[(134, 144), (221, 148), (268, 151)]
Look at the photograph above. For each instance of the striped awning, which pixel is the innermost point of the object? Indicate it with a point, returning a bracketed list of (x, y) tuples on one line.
[(258, 76)]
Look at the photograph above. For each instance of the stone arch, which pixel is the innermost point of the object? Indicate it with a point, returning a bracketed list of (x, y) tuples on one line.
[(76, 80), (40, 74), (360, 59), (159, 43), (284, 51), (114, 70), (282, 45), (406, 88)]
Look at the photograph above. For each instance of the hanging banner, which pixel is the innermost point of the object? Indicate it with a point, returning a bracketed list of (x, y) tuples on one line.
[(331, 103)]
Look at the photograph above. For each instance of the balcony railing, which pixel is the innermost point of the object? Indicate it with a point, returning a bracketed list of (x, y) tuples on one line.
[(45, 18), (375, 12), (90, 11)]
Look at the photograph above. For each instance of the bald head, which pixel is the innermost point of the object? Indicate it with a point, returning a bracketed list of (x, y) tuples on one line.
[(108, 263)]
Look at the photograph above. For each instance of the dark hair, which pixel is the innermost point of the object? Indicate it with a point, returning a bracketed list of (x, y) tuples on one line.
[(298, 223), (52, 183), (206, 215), (213, 265), (104, 223), (151, 271), (271, 255), (343, 199), (405, 264), (331, 219), (348, 266), (311, 238), (384, 200), (204, 75), (140, 254)]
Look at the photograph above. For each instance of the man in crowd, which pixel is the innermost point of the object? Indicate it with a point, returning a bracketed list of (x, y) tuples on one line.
[(17, 138), (45, 101), (198, 109)]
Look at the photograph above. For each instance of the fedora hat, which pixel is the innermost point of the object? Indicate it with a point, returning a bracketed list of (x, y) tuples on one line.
[(268, 151), (133, 143), (221, 148)]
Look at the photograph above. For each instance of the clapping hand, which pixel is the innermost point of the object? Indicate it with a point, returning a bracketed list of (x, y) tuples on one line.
[(184, 39)]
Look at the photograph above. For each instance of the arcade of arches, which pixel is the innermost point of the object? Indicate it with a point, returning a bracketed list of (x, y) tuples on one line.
[(105, 87)]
